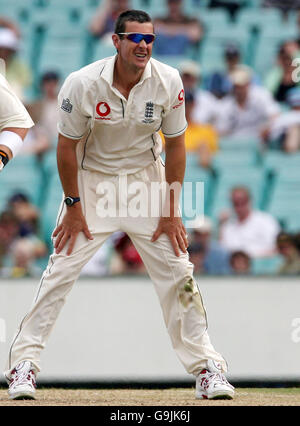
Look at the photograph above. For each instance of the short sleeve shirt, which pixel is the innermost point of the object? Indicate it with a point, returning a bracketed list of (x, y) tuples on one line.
[(248, 121), (12, 111), (119, 135)]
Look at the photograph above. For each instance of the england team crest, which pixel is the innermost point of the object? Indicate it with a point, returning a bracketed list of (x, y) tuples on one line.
[(149, 110)]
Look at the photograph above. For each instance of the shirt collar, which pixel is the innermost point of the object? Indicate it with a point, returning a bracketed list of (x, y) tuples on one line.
[(107, 72)]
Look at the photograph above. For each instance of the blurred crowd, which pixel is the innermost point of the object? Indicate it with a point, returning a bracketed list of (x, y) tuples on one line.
[(234, 103)]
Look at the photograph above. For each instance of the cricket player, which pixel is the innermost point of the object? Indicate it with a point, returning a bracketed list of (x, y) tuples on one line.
[(110, 113), (14, 123)]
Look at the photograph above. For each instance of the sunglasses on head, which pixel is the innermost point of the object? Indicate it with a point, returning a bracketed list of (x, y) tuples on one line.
[(138, 37)]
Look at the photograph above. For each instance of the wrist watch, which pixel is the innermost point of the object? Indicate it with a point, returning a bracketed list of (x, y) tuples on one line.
[(70, 201)]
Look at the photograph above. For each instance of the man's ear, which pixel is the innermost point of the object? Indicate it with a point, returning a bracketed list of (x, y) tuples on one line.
[(116, 41)]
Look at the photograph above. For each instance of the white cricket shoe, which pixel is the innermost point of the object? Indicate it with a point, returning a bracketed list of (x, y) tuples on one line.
[(22, 382), (212, 384)]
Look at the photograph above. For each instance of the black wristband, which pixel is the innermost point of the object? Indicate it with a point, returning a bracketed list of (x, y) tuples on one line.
[(4, 157)]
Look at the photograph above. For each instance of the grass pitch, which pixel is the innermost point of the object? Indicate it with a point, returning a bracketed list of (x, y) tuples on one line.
[(154, 397)]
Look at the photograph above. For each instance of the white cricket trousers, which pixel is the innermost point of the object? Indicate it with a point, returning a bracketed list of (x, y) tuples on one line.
[(183, 310)]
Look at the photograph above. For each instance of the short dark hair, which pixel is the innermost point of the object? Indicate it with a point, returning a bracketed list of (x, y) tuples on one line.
[(239, 253), (49, 76), (130, 16)]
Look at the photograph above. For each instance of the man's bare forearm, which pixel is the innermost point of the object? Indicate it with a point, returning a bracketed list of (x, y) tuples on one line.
[(67, 165), (175, 167)]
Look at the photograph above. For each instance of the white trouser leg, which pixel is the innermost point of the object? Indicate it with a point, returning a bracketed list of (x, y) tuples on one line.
[(179, 296), (181, 302), (57, 280), (60, 275)]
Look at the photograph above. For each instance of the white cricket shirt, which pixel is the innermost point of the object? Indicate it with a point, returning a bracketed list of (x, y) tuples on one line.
[(12, 111), (256, 235), (120, 136), (246, 122)]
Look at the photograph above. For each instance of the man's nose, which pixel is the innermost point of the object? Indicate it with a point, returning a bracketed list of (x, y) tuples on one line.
[(142, 43)]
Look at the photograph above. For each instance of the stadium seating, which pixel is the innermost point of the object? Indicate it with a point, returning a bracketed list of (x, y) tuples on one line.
[(284, 200), (193, 175), (251, 19), (55, 37), (218, 36)]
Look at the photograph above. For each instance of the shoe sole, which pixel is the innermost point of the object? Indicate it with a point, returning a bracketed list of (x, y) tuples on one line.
[(222, 397), (21, 395), (219, 395)]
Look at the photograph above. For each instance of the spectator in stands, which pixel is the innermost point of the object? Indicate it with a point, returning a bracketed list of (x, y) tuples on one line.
[(24, 245), (240, 263), (284, 133), (18, 74), (280, 79), (288, 249), (248, 230), (176, 32), (202, 139), (8, 232), (205, 253), (126, 259), (206, 104), (44, 111), (7, 23), (248, 109), (103, 23), (219, 82)]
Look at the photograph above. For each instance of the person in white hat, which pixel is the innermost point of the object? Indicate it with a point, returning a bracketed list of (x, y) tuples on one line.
[(18, 73), (206, 104)]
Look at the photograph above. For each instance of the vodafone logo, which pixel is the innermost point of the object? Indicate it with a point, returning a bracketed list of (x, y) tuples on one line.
[(180, 98), (181, 95), (103, 110)]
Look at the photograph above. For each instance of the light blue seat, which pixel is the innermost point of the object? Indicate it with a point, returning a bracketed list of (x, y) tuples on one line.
[(228, 144), (198, 186), (213, 18), (171, 60), (284, 199), (259, 19), (62, 58), (228, 158), (215, 41), (251, 177), (156, 8), (266, 266), (21, 175), (102, 49), (278, 161)]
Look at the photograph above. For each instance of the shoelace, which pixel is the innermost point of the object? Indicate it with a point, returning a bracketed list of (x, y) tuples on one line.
[(218, 377), (213, 377), (22, 378)]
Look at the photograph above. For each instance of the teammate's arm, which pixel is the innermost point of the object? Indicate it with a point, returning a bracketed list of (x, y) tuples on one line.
[(171, 224), (10, 137), (74, 220)]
